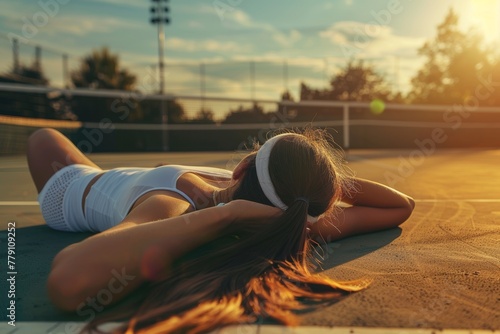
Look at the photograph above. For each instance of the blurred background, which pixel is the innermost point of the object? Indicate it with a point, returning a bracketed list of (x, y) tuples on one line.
[(204, 75)]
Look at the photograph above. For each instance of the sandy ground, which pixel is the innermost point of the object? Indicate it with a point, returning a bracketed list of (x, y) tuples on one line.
[(441, 269)]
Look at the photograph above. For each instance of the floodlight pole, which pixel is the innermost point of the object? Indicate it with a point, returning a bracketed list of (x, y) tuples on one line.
[(161, 45), (158, 11)]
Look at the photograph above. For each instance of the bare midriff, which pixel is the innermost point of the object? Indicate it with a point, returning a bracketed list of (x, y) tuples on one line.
[(87, 190)]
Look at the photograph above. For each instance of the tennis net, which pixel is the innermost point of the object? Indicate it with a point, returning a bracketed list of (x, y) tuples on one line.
[(116, 121)]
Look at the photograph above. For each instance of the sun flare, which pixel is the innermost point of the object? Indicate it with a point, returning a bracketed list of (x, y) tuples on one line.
[(484, 15)]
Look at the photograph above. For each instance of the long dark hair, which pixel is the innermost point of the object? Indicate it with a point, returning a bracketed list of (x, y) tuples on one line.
[(255, 270)]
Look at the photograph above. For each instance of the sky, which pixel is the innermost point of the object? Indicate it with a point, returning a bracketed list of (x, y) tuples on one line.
[(248, 48)]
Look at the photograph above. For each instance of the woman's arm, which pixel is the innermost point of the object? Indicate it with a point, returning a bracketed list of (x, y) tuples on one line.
[(117, 261), (373, 207)]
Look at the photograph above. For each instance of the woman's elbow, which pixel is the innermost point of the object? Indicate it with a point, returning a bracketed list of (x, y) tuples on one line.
[(412, 202), (407, 210), (411, 205), (66, 284), (65, 289), (73, 284)]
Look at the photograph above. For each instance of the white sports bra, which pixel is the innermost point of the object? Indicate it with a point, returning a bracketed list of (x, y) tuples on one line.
[(113, 195)]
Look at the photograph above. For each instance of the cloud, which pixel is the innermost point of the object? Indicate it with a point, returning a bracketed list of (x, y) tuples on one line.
[(78, 25), (224, 77), (127, 3), (236, 19), (194, 24), (393, 55), (360, 40), (315, 64), (209, 45), (287, 39), (328, 5), (284, 39), (85, 25), (240, 17), (227, 14)]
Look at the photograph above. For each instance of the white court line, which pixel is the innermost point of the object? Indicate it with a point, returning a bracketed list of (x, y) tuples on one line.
[(18, 203)]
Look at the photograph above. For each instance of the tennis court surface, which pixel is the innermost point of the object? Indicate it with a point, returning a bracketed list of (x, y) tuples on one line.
[(440, 269)]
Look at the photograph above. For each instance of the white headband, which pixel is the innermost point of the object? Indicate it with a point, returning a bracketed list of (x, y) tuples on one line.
[(262, 167)]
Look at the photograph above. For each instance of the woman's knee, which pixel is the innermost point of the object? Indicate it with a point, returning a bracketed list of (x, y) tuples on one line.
[(47, 152), (40, 138), (35, 142), (43, 132)]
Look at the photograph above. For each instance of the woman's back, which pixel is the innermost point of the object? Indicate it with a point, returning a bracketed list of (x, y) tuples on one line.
[(114, 194)]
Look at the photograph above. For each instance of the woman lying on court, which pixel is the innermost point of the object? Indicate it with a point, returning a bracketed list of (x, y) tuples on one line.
[(197, 263)]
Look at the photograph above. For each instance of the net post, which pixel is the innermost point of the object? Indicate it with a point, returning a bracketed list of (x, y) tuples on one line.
[(346, 127), (66, 77)]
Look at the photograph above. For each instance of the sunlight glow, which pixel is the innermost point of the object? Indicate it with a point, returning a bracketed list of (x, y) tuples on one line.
[(484, 15)]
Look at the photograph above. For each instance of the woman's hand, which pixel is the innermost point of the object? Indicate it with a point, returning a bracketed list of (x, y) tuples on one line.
[(240, 210)]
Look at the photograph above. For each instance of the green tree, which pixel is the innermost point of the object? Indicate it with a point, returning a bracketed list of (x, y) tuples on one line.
[(309, 93), (287, 96), (359, 82), (203, 116), (355, 82), (101, 70), (252, 114), (455, 62)]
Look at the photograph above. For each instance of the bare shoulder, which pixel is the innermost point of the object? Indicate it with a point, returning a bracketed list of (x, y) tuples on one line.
[(157, 205)]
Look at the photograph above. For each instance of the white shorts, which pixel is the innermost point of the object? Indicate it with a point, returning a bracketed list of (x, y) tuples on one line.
[(61, 197)]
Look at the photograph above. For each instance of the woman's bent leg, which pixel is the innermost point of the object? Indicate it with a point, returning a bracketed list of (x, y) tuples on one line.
[(50, 151), (60, 173)]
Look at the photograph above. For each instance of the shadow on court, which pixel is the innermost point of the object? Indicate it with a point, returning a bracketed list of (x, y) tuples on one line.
[(36, 247), (336, 253)]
